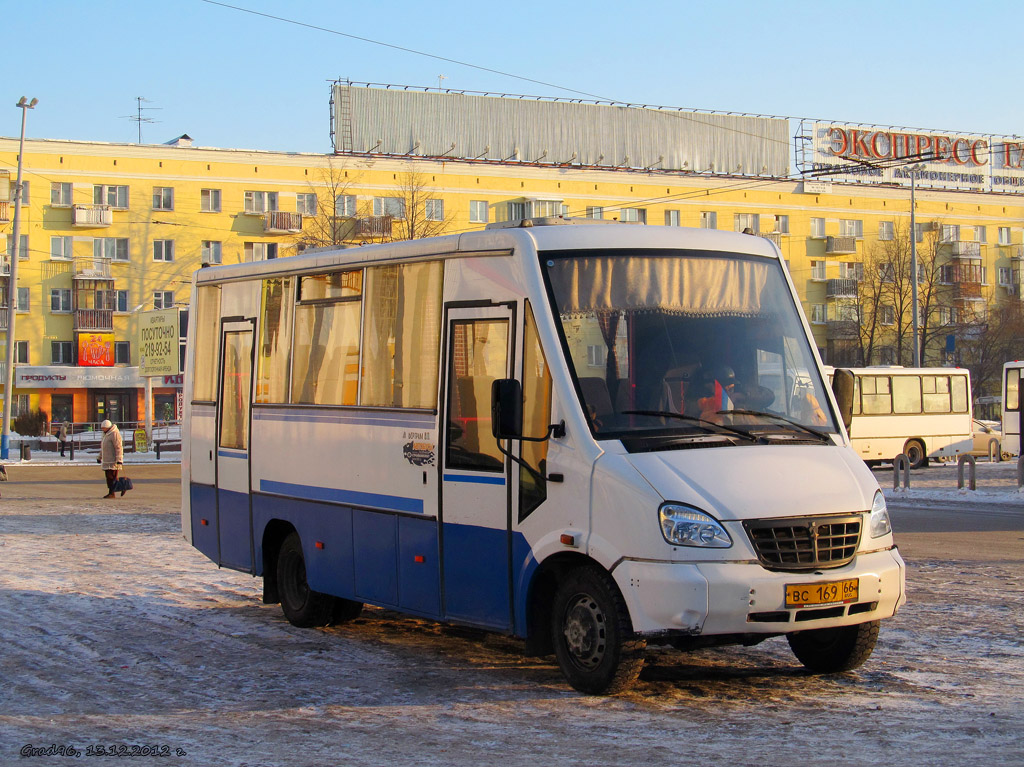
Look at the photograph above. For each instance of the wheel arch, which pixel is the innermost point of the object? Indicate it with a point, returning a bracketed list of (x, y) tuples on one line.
[(273, 536)]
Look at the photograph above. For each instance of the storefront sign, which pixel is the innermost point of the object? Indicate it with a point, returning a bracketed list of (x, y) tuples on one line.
[(96, 349), (158, 343), (67, 377)]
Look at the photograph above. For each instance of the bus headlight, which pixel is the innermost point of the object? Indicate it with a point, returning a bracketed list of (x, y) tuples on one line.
[(685, 526), (878, 524)]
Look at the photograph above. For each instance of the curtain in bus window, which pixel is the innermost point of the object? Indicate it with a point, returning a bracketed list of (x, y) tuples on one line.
[(275, 340), (936, 393), (326, 354), (478, 356), (536, 417), (876, 397), (207, 340), (402, 335), (1013, 389), (906, 394), (234, 429), (694, 286), (959, 394)]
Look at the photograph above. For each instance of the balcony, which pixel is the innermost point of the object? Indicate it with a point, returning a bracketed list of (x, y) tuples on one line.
[(841, 329), (961, 249), (374, 226), (841, 288), (840, 245), (92, 269), (775, 237), (282, 222), (91, 216), (1013, 252), (5, 212), (967, 291), (94, 319)]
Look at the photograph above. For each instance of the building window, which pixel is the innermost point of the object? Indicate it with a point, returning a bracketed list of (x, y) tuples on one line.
[(887, 314), (389, 206), (819, 314), (708, 219), (780, 224), (950, 233), (851, 227), (113, 248), (163, 198), (209, 252), (886, 231), (851, 270), (121, 301), (638, 215), (260, 251), (345, 205), (1005, 273), (209, 200), (434, 210), (62, 353), (163, 250), (981, 234), (305, 203), (1004, 235), (886, 273), (21, 353), (114, 196), (919, 232), (544, 208), (260, 202), (60, 194), (163, 299), (817, 270), (818, 228), (741, 222), (22, 246), (60, 247), (23, 302), (945, 275), (672, 218), (60, 300), (123, 352), (595, 211), (597, 355), (947, 315)]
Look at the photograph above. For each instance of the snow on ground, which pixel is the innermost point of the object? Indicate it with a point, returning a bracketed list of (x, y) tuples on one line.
[(114, 631)]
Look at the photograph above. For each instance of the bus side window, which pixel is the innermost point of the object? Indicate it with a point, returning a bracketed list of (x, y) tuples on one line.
[(1013, 389)]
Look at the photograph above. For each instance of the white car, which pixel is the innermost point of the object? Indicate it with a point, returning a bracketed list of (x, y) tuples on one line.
[(985, 433)]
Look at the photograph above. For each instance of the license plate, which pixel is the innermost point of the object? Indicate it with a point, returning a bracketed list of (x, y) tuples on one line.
[(822, 594)]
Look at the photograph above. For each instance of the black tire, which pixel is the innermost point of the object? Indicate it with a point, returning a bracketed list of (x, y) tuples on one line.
[(592, 634), (301, 605), (345, 610), (827, 651), (916, 455)]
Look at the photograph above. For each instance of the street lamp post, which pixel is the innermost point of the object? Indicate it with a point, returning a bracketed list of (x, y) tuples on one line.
[(12, 294), (913, 272)]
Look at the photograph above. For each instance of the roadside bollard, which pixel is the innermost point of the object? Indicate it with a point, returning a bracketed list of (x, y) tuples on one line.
[(1020, 470), (994, 451), (901, 461), (158, 450), (960, 472)]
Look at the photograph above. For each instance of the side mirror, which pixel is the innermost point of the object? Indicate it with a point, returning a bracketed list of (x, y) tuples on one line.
[(842, 388), (506, 409)]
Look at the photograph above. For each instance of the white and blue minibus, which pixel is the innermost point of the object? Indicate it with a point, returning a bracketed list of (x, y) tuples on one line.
[(593, 436)]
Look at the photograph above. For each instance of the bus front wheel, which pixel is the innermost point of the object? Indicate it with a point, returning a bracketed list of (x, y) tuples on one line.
[(300, 604), (592, 634), (827, 651), (916, 455)]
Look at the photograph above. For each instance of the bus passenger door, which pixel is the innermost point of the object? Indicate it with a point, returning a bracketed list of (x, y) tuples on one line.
[(475, 514), (234, 511)]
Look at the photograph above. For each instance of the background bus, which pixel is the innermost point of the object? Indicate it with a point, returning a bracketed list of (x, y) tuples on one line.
[(1011, 406), (922, 412)]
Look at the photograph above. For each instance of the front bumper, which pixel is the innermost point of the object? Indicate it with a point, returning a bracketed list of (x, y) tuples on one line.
[(718, 598)]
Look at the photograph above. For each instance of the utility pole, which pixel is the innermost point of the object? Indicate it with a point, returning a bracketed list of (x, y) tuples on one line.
[(12, 293), (913, 271)]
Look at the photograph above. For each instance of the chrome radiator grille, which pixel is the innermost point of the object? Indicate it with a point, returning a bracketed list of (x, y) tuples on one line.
[(805, 543)]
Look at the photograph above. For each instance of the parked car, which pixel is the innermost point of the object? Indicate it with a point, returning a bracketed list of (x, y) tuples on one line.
[(984, 434)]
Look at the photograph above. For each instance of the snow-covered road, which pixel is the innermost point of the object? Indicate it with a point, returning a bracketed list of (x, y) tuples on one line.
[(114, 631)]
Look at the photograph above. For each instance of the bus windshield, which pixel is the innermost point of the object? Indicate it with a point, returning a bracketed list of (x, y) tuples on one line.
[(670, 343)]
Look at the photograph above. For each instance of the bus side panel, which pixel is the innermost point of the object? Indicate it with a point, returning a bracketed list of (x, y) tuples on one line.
[(474, 567), (328, 567), (419, 575), (203, 508), (376, 557)]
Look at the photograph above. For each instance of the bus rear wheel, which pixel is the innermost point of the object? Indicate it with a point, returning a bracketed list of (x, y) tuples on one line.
[(592, 634), (916, 455), (301, 605), (828, 651)]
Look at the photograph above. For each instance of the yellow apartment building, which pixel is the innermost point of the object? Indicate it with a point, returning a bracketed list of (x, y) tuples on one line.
[(110, 231)]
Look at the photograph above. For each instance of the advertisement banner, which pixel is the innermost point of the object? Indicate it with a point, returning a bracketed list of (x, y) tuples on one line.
[(96, 349), (158, 343)]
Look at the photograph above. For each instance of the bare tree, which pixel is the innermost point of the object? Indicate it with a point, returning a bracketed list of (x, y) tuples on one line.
[(422, 208), (334, 222)]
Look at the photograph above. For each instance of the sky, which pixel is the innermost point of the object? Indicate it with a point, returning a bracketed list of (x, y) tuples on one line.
[(255, 74)]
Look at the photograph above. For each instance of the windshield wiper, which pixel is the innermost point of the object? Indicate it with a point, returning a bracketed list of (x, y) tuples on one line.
[(806, 429), (710, 426)]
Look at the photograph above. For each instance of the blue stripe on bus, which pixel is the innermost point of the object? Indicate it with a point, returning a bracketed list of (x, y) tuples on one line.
[(360, 418), (348, 497), (237, 454), (479, 479)]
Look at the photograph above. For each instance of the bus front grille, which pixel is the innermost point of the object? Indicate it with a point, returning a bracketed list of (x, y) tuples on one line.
[(805, 543)]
